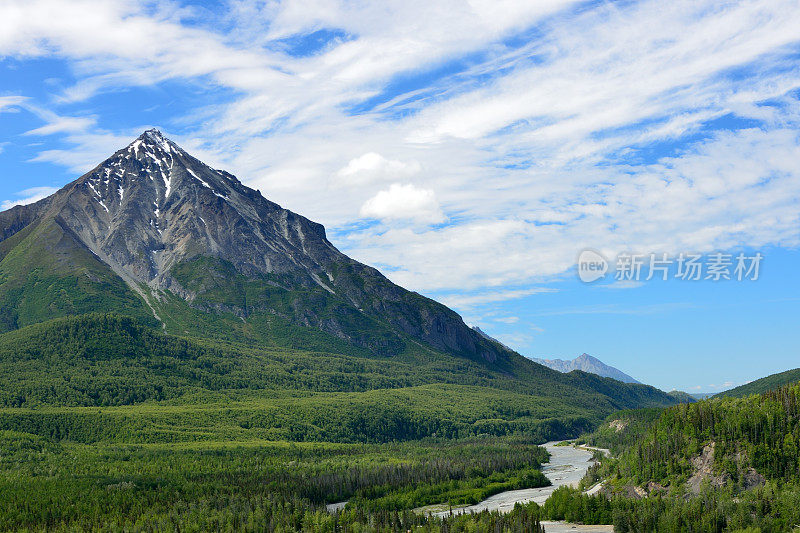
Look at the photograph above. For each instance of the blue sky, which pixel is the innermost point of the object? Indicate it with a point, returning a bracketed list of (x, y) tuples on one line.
[(470, 150)]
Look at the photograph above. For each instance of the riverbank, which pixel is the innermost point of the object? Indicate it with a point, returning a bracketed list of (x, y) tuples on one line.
[(567, 467)]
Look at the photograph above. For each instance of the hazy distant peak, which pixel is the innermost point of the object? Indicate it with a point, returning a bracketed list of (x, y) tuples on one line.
[(586, 363)]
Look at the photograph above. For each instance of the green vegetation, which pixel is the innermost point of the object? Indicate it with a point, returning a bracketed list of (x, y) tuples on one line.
[(760, 386), (725, 464), (572, 505), (250, 408), (454, 492), (253, 485), (682, 397), (773, 507), (45, 273), (103, 360), (760, 432), (107, 424), (622, 429), (448, 411)]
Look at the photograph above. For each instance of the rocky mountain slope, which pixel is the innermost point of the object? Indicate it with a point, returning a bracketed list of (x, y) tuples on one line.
[(586, 363), (171, 226)]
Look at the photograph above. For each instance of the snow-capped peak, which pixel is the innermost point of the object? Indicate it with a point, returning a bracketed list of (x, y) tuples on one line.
[(155, 141)]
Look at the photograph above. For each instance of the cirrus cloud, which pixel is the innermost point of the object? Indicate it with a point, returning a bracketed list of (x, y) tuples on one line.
[(28, 196), (485, 145)]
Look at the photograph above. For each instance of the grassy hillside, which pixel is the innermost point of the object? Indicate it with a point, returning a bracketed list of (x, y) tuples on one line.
[(273, 306), (45, 273), (110, 424), (102, 360), (760, 386)]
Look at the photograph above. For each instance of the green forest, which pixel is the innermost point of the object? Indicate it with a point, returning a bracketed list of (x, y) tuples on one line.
[(253, 485), (108, 424), (657, 479)]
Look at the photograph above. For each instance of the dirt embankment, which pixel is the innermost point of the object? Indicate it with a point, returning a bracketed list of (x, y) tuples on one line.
[(704, 472), (618, 425)]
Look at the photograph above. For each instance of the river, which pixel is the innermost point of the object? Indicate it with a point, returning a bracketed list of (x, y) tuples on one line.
[(567, 466)]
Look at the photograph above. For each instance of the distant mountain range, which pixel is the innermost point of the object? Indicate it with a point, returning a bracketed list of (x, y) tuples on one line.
[(703, 395), (586, 363)]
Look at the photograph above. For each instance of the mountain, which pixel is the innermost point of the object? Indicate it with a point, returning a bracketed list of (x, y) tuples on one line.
[(154, 219), (154, 276), (586, 363), (703, 395), (765, 384), (682, 397)]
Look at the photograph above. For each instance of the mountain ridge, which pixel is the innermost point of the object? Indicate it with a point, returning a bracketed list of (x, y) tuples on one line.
[(762, 385), (586, 363), (155, 235), (151, 208)]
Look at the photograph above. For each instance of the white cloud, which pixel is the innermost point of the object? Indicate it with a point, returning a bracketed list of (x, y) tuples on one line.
[(614, 309), (531, 148), (28, 196), (469, 301), (96, 147), (57, 124), (516, 341), (615, 67), (622, 285), (130, 44), (372, 167), (404, 202), (736, 188), (722, 386), (8, 103)]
